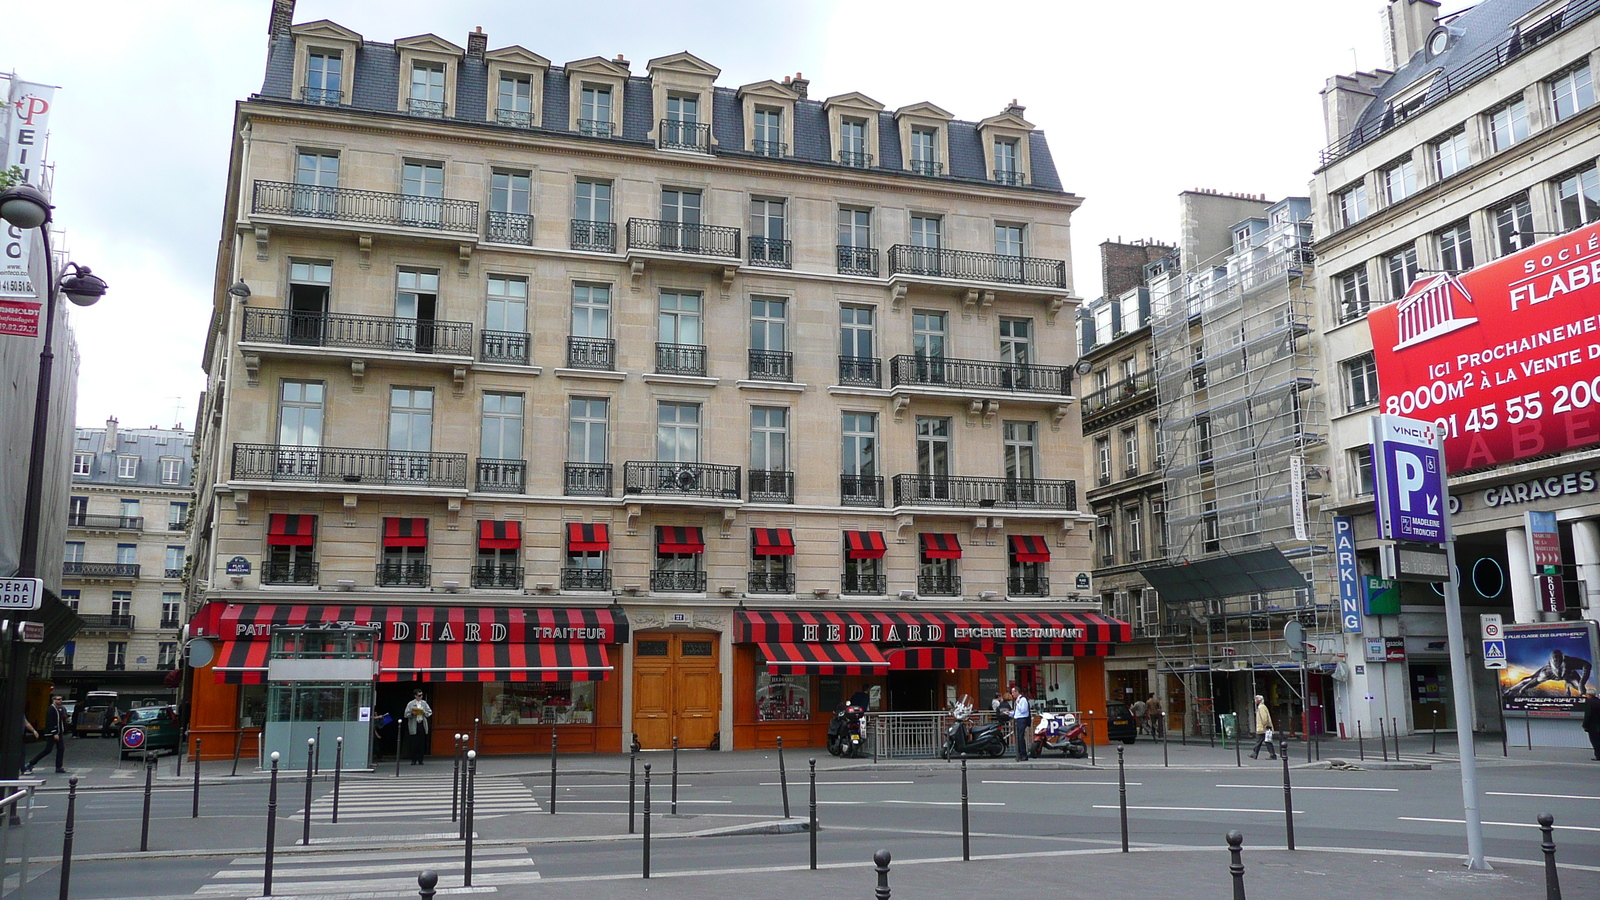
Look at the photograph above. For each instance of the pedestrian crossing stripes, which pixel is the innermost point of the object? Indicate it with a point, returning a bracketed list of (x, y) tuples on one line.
[(420, 799), (362, 875)]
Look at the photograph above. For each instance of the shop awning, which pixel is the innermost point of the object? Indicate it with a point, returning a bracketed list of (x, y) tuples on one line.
[(242, 662), (823, 659), (864, 545), (405, 532), (1054, 648), (924, 658), (1029, 548), (499, 535), (253, 622), (492, 662), (940, 546), (291, 530), (583, 538), (680, 539), (1230, 575), (983, 631), (771, 542)]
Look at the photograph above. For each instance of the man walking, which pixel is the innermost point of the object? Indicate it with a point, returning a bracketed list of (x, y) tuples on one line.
[(1591, 722), (55, 734), (417, 713), (1263, 730), (1021, 718), (1138, 712)]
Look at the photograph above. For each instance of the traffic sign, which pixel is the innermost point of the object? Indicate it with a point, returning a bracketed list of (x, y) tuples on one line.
[(21, 593), (1494, 654), (1490, 624), (1409, 466), (1552, 593), (1544, 542), (33, 632), (132, 737)]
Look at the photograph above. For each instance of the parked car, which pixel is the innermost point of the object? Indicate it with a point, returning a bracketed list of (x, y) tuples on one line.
[(1120, 725), (99, 720), (151, 729)]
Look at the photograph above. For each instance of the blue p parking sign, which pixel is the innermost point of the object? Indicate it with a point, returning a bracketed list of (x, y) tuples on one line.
[(1409, 465)]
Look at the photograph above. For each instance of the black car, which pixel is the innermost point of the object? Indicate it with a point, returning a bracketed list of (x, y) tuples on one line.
[(1120, 725)]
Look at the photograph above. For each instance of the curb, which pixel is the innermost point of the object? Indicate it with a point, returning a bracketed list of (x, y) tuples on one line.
[(1369, 765)]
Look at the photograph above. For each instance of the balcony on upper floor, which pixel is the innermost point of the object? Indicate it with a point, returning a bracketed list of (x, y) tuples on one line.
[(581, 579), (1136, 387), (596, 237), (403, 574), (304, 205), (104, 622), (508, 228), (771, 365), (861, 583), (856, 260), (508, 348), (861, 490), (681, 359), (942, 375), (672, 240), (681, 479), (1010, 176), (89, 522), (347, 467), (939, 585), (289, 572), (861, 371), (98, 571), (770, 582), (855, 159), (498, 578), (942, 265), (675, 581), (673, 134), (599, 354), (770, 486), (771, 253), (1028, 586), (587, 480), (966, 492), (314, 334), (502, 476)]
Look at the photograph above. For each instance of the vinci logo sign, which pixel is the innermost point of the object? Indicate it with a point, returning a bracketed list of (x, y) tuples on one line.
[(1505, 358)]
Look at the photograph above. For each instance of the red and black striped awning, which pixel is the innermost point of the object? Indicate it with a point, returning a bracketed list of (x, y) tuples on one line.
[(771, 542), (583, 538), (940, 546), (823, 659), (925, 658), (984, 631), (679, 539), (242, 662), (499, 535), (284, 530), (491, 624), (864, 545), (492, 662), (1052, 649), (405, 532), (1029, 548)]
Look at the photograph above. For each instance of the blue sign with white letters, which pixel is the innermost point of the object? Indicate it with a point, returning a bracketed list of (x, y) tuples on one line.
[(1409, 466), (1344, 564)]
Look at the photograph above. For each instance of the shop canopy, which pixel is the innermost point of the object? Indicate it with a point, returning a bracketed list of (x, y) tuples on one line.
[(985, 631), (291, 530), (864, 545), (771, 542), (492, 662), (823, 659), (1230, 575), (940, 546), (583, 538), (405, 532), (925, 658), (499, 535), (680, 539), (1029, 548)]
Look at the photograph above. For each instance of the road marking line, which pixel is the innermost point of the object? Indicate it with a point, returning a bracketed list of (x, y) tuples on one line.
[(293, 872), (1506, 824), (1308, 787), (1550, 796), (1066, 783), (655, 798), (850, 783), (1223, 809), (904, 803), (337, 855)]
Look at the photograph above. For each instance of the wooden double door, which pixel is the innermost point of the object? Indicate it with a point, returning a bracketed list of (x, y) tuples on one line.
[(677, 689)]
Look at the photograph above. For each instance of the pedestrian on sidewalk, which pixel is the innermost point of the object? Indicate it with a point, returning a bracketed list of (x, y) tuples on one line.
[(1021, 718), (417, 714), (1263, 729), (55, 735), (1152, 710), (1591, 722), (1138, 710)]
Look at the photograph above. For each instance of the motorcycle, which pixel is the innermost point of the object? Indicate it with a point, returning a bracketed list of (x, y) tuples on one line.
[(847, 731), (962, 737), (1060, 731)]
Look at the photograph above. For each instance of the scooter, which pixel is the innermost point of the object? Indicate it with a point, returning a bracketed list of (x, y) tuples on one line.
[(962, 737), (847, 731), (1060, 731)]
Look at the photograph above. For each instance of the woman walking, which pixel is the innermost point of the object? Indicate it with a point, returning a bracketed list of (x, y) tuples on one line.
[(416, 717)]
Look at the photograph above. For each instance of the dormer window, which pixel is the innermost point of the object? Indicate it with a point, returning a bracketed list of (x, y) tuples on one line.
[(853, 143), (924, 151), (594, 111), (514, 101), (427, 90), (1007, 162), (324, 77), (768, 133), (682, 129)]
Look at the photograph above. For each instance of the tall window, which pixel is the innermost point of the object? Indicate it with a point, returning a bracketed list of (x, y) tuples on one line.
[(1102, 457), (171, 470), (1451, 154), (591, 311), (514, 100), (74, 551), (859, 448), (171, 610), (593, 201), (1402, 266), (1202, 438), (1360, 381), (594, 110), (1508, 125), (411, 419), (177, 514), (300, 413), (853, 142), (681, 210), (1105, 540), (502, 426), (1513, 224), (130, 509), (1130, 450), (1158, 526), (927, 335), (1016, 341), (1361, 470), (1353, 205), (1021, 448), (1008, 241), (508, 304), (416, 304), (167, 655), (127, 554), (586, 430), (678, 432), (173, 563), (767, 137), (1455, 247), (933, 456), (925, 232), (1158, 441), (769, 324), (679, 318), (767, 230), (855, 332), (1133, 529), (1572, 93), (1399, 181), (769, 441), (77, 510), (509, 192), (924, 151), (1007, 165), (855, 227), (427, 89), (1578, 198), (423, 185), (116, 656), (324, 76)]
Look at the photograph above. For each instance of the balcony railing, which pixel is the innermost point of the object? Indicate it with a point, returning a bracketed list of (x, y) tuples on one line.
[(855, 159), (984, 493), (177, 526), (349, 465), (770, 486), (862, 371), (905, 259), (591, 353), (303, 329), (289, 572), (667, 581), (427, 109), (172, 573), (1120, 392), (502, 476), (508, 228), (404, 575), (876, 585), (861, 490), (503, 578), (675, 135), (680, 359), (102, 622), (599, 237), (322, 96), (677, 479), (595, 127), (109, 523), (586, 579), (939, 585), (857, 260), (771, 253), (1028, 586), (679, 237), (507, 347), (367, 207), (771, 365), (588, 480), (769, 148), (515, 118), (1009, 176), (974, 374), (927, 167), (99, 570), (771, 583)]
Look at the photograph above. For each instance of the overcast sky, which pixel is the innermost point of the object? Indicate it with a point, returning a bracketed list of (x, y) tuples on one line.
[(1139, 101)]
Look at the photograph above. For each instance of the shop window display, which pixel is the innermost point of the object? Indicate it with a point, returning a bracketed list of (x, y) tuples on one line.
[(538, 703), (783, 698), (1049, 685), (252, 705)]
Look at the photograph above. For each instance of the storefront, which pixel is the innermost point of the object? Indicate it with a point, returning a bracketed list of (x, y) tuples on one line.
[(513, 675)]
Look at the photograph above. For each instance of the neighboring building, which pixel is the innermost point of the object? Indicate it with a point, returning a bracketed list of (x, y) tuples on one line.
[(1480, 141), (501, 350), (125, 565)]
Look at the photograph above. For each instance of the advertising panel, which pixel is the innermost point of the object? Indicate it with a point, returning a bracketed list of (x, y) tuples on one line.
[(1506, 357), (1344, 563), (1549, 668), (29, 110)]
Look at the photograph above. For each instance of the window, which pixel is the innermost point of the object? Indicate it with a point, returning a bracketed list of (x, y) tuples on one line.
[(586, 430), (167, 655), (411, 425), (122, 604), (1021, 450), (74, 552), (933, 455), (1016, 338), (1513, 224), (859, 445), (1241, 235), (927, 335), (1008, 242), (856, 345), (769, 443), (508, 195), (1451, 155), (1361, 470), (116, 656), (300, 413), (1211, 526), (77, 510), (1455, 247), (1197, 369), (767, 135), (1130, 451), (427, 90), (593, 201), (1402, 266), (127, 467), (1399, 181), (422, 183), (682, 126), (924, 151), (1360, 381), (130, 511), (316, 168), (81, 463), (683, 108), (171, 610), (1102, 456), (1158, 526), (678, 432), (679, 320), (171, 470), (1158, 437), (1353, 205), (514, 101), (925, 232), (594, 110), (591, 311), (853, 143), (1508, 125), (127, 554), (680, 210), (767, 231), (405, 553), (1104, 539), (1202, 438), (1007, 165), (173, 563), (502, 428), (324, 76), (1578, 198), (1572, 93), (769, 327), (507, 304), (1133, 530), (855, 227), (177, 515)]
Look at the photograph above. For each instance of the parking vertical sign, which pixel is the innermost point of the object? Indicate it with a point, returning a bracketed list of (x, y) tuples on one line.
[(1409, 465), (1344, 565)]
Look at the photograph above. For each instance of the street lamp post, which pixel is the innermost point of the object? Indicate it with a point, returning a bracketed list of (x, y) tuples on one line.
[(25, 207)]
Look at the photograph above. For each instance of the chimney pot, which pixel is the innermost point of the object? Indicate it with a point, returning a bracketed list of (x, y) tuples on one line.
[(477, 43), (281, 18), (799, 85)]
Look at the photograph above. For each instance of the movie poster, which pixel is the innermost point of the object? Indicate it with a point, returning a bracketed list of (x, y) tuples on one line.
[(1549, 668)]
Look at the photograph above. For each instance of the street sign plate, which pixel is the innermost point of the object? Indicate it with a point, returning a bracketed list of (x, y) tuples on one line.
[(1544, 541), (1409, 467), (33, 632), (1345, 571), (133, 737), (1490, 623), (1494, 654), (21, 593), (1552, 594)]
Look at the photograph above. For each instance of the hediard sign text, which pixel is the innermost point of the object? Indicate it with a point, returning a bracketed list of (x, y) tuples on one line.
[(932, 634)]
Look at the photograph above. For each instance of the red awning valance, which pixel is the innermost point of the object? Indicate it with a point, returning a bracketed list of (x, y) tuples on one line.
[(1055, 648), (583, 538), (499, 535), (405, 532), (291, 530), (926, 658), (253, 623), (1029, 548), (242, 662), (492, 662), (771, 542), (984, 631), (941, 546), (823, 659), (679, 539), (864, 545)]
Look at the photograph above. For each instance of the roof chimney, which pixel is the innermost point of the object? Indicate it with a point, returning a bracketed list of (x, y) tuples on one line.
[(1408, 23), (1015, 108), (477, 43), (622, 60), (282, 17), (109, 445), (800, 85)]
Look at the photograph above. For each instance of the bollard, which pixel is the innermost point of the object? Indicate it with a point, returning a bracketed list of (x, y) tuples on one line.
[(1527, 726), (194, 812), (272, 828), (1164, 723), (426, 883), (1383, 739), (966, 835), (1394, 728), (1552, 880), (1089, 730), (552, 770), (311, 758), (1435, 748), (475, 724), (1308, 747), (238, 741), (1319, 748), (1288, 802), (783, 778), (1238, 758), (881, 861), (633, 759), (338, 767), (455, 776), (1236, 867), (1505, 737), (399, 733), (674, 776), (466, 817), (1361, 746), (646, 820), (183, 746), (461, 786), (66, 836), (316, 761), (144, 826), (813, 815), (1122, 797)]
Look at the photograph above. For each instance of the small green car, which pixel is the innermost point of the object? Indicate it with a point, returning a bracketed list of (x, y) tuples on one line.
[(152, 729)]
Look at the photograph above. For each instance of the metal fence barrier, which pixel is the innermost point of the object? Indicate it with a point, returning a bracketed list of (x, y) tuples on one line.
[(906, 735)]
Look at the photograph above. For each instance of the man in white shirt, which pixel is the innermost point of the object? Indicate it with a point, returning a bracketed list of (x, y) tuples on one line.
[(1021, 718)]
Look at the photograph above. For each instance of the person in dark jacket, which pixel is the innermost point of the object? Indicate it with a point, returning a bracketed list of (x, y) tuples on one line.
[(1591, 722), (55, 734)]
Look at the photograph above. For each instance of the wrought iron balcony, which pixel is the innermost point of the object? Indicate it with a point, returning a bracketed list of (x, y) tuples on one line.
[(289, 572), (1010, 176), (857, 260), (769, 148), (515, 118), (669, 581), (857, 583), (592, 353), (675, 135), (980, 375), (939, 585), (99, 570), (171, 573), (770, 486), (771, 365), (322, 96), (102, 622), (508, 228), (502, 476), (427, 109), (862, 371), (680, 359), (599, 237), (984, 493), (927, 167), (391, 574), (301, 329), (493, 577), (965, 265), (595, 127), (507, 347), (861, 490), (1028, 586), (365, 207), (108, 523), (771, 253), (677, 237), (855, 159), (1113, 395), (349, 465), (586, 579), (678, 479), (770, 583), (171, 623), (177, 526), (588, 479)]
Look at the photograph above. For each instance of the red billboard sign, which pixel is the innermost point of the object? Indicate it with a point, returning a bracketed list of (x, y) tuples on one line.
[(19, 317), (1505, 358)]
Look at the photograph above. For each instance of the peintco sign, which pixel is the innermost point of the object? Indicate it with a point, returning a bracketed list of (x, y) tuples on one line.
[(1505, 358)]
